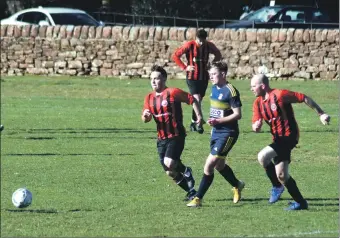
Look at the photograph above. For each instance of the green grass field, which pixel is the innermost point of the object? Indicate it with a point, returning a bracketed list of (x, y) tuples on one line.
[(79, 145)]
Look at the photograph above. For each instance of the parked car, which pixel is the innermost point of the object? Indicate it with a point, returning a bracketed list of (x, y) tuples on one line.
[(246, 12), (281, 16), (51, 16)]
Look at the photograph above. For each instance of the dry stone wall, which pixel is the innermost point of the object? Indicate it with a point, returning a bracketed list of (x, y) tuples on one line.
[(131, 51)]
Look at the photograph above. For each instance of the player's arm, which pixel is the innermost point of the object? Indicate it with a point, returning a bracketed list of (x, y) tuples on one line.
[(146, 114), (176, 57), (324, 118), (257, 118), (293, 97), (182, 96), (215, 51), (198, 110)]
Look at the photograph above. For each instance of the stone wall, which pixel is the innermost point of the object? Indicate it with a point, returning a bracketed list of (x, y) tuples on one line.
[(131, 51)]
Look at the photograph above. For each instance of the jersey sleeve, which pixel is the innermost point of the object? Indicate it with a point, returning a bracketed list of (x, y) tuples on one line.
[(182, 96), (256, 112), (235, 100), (292, 97), (234, 96), (176, 57)]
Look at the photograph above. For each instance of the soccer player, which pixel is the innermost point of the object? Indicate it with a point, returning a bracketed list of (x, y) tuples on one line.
[(1, 128), (197, 55), (164, 105), (274, 106), (225, 111)]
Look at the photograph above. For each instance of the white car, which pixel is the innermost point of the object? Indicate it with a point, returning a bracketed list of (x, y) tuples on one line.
[(51, 16)]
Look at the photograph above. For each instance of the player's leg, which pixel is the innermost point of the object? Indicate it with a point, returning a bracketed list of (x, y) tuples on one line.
[(172, 161), (167, 163), (265, 157), (202, 87), (188, 175), (208, 175), (206, 181), (224, 145), (194, 89), (176, 149), (281, 166)]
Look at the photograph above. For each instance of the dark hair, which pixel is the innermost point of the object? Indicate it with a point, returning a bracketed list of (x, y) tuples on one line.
[(202, 34), (160, 69), (220, 65)]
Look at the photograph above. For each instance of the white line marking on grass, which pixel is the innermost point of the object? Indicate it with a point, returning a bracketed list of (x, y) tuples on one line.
[(296, 234), (305, 233)]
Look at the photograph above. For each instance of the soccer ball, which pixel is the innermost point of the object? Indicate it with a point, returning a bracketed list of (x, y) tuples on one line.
[(22, 198)]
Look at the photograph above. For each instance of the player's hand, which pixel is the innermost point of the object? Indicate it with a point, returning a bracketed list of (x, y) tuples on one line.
[(325, 119), (199, 121), (190, 68), (147, 116), (257, 125), (212, 121)]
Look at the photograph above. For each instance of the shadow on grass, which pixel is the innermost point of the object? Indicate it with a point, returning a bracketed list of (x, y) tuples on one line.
[(311, 201), (53, 154), (46, 210), (33, 210), (80, 130)]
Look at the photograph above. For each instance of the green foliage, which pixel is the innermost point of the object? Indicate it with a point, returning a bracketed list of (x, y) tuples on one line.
[(79, 145)]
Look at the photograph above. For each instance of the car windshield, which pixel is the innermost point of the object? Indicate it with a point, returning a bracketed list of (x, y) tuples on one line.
[(263, 14), (76, 19)]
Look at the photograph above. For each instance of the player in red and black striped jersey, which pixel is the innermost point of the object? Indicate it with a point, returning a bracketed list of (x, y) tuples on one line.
[(197, 55), (274, 106), (164, 106)]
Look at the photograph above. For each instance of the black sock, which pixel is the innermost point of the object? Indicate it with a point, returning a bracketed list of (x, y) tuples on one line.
[(193, 117), (181, 167), (204, 185), (229, 175), (182, 182), (270, 171), (293, 190)]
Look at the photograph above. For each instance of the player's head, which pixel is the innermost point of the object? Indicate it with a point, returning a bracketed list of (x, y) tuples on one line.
[(201, 36), (158, 78), (259, 84), (218, 72)]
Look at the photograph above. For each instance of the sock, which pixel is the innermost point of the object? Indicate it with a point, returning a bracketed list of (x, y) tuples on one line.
[(293, 190), (229, 175), (270, 171), (181, 167), (182, 182), (193, 117), (204, 185)]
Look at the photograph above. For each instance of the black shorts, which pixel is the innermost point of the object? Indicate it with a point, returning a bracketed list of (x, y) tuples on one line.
[(283, 148), (171, 148), (197, 87)]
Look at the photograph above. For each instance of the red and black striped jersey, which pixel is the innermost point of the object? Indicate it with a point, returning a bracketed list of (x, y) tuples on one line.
[(166, 110), (277, 111), (197, 56)]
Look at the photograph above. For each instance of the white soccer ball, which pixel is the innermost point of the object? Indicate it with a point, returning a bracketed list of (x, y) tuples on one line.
[(21, 198)]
